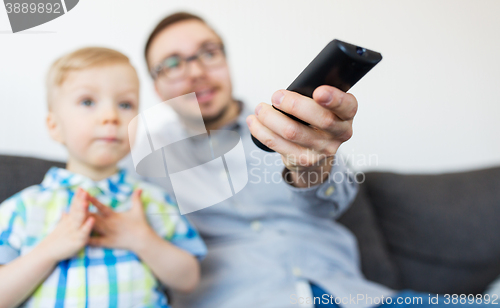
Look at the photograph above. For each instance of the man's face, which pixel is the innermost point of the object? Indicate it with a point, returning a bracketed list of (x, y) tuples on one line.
[(212, 85)]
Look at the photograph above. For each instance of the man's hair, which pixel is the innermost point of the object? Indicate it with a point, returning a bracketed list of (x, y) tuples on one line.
[(81, 59), (167, 22)]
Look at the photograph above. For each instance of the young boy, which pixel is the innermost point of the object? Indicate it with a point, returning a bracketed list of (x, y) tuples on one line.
[(90, 235)]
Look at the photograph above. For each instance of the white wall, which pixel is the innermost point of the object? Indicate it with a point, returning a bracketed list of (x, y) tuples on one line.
[(432, 104)]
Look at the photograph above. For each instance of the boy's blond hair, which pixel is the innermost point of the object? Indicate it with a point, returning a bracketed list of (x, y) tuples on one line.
[(80, 59)]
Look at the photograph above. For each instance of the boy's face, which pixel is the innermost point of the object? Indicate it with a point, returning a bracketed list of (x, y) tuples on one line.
[(91, 111)]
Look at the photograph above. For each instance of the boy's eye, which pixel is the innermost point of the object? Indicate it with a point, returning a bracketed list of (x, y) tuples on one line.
[(87, 102), (126, 105)]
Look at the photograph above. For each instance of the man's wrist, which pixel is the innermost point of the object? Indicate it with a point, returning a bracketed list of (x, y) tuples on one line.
[(309, 177)]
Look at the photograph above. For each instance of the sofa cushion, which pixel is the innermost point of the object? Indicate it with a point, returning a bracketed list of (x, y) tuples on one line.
[(443, 230), (19, 172), (376, 262)]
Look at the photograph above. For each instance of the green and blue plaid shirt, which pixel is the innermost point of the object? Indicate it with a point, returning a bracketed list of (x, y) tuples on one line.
[(94, 277)]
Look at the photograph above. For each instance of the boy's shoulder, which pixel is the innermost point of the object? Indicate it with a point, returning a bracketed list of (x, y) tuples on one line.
[(26, 195), (39, 195), (25, 201)]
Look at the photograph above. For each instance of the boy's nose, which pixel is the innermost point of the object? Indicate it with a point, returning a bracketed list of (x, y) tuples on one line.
[(110, 116)]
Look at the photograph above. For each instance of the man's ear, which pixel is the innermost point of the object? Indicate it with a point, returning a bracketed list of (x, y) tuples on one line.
[(54, 127)]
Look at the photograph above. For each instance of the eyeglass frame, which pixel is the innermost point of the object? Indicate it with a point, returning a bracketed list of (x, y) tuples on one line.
[(154, 72)]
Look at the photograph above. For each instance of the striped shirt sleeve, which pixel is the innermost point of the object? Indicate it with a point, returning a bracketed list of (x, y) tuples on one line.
[(186, 237), (12, 218), (165, 218)]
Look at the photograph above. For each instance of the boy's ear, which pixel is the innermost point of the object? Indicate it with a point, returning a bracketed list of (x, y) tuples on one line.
[(54, 128)]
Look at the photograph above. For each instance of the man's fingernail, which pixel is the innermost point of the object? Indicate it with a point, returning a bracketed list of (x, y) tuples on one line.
[(277, 98), (249, 121), (258, 109), (325, 98)]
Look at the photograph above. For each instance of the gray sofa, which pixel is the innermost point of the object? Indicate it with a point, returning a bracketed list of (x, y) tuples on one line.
[(430, 233)]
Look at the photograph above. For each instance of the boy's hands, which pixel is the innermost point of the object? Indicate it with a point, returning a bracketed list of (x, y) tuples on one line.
[(72, 232), (122, 230), (174, 267)]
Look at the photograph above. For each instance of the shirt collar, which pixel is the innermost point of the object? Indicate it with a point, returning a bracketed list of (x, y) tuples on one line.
[(240, 122), (119, 184)]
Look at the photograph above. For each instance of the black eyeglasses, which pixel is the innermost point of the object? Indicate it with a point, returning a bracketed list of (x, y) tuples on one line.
[(174, 67)]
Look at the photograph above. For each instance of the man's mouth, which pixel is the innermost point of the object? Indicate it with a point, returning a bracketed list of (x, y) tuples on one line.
[(205, 95)]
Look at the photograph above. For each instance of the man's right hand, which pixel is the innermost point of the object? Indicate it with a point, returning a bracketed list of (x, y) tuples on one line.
[(72, 232), (306, 150)]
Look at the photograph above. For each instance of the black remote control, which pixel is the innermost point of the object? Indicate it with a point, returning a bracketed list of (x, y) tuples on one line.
[(339, 64)]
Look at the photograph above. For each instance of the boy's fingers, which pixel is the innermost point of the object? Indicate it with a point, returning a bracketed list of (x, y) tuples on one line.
[(86, 228), (95, 241), (98, 241), (76, 199), (104, 210), (98, 223), (79, 205), (136, 199), (85, 197)]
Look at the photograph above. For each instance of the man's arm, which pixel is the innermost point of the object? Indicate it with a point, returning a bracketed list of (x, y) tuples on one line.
[(316, 175), (330, 198)]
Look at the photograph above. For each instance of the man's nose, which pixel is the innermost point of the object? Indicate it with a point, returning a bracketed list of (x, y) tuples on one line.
[(195, 68)]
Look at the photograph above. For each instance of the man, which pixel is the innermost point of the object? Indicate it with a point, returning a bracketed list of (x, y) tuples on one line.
[(275, 241)]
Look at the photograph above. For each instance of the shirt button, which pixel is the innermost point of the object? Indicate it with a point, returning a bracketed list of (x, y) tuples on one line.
[(256, 225), (296, 271), (329, 191)]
